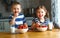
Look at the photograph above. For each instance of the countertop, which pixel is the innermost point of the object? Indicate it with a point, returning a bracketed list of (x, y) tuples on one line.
[(55, 33)]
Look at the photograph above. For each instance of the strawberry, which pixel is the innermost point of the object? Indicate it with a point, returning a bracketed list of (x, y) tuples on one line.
[(25, 26), (20, 27), (44, 26)]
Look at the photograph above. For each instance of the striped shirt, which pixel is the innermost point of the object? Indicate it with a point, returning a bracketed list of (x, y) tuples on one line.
[(20, 19), (46, 22)]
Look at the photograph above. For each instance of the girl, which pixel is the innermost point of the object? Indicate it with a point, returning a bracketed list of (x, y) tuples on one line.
[(40, 19)]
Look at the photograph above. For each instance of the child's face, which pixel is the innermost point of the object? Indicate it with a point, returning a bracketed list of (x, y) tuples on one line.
[(41, 13), (16, 8)]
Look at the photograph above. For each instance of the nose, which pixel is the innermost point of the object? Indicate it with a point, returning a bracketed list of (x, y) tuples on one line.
[(15, 9)]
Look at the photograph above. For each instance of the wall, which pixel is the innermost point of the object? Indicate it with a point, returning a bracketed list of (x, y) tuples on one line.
[(3, 11), (27, 4)]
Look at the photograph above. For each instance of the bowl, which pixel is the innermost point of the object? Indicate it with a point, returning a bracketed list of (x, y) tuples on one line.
[(42, 28), (23, 30)]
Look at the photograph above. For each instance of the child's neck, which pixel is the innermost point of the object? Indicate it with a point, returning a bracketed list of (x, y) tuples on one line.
[(42, 19)]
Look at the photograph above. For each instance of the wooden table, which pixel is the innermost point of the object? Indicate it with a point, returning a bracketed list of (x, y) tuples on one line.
[(47, 34)]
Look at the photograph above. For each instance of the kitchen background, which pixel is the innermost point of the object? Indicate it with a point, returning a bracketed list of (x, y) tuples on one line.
[(28, 7)]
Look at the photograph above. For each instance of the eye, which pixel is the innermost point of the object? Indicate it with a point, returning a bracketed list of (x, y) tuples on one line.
[(41, 12)]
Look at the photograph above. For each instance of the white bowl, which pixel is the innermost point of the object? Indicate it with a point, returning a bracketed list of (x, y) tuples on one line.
[(42, 29), (23, 30)]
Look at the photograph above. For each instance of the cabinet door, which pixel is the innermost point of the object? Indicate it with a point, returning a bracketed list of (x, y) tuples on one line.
[(6, 27), (29, 20), (1, 26)]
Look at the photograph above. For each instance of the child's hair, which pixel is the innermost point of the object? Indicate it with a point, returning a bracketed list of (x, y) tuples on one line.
[(42, 7), (15, 3)]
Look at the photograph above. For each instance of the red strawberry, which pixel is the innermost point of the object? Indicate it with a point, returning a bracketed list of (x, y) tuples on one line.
[(20, 27), (42, 26), (25, 26)]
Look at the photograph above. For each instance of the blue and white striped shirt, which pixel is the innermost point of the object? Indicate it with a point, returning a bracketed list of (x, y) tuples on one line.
[(20, 19), (46, 22)]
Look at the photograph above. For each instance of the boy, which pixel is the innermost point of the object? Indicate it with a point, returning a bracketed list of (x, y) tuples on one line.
[(17, 18)]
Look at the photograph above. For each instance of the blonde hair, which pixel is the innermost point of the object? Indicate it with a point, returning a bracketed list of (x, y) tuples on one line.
[(44, 8), (41, 6)]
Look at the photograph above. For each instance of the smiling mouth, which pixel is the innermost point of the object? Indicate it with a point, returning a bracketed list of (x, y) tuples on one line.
[(40, 15)]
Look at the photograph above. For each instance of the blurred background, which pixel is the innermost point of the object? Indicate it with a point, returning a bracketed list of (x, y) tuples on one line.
[(28, 6)]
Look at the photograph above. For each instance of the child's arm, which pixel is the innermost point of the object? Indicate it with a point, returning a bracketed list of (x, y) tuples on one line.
[(12, 22), (33, 25)]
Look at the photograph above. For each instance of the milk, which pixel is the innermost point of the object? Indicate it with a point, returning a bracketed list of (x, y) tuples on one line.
[(50, 25), (12, 29)]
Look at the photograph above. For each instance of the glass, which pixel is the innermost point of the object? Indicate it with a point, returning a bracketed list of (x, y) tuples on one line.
[(50, 25)]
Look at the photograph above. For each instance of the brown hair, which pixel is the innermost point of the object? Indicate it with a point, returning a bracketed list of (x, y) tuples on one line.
[(15, 3), (43, 7)]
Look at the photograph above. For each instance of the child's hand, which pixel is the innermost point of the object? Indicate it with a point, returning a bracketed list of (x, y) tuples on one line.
[(15, 15), (37, 25)]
